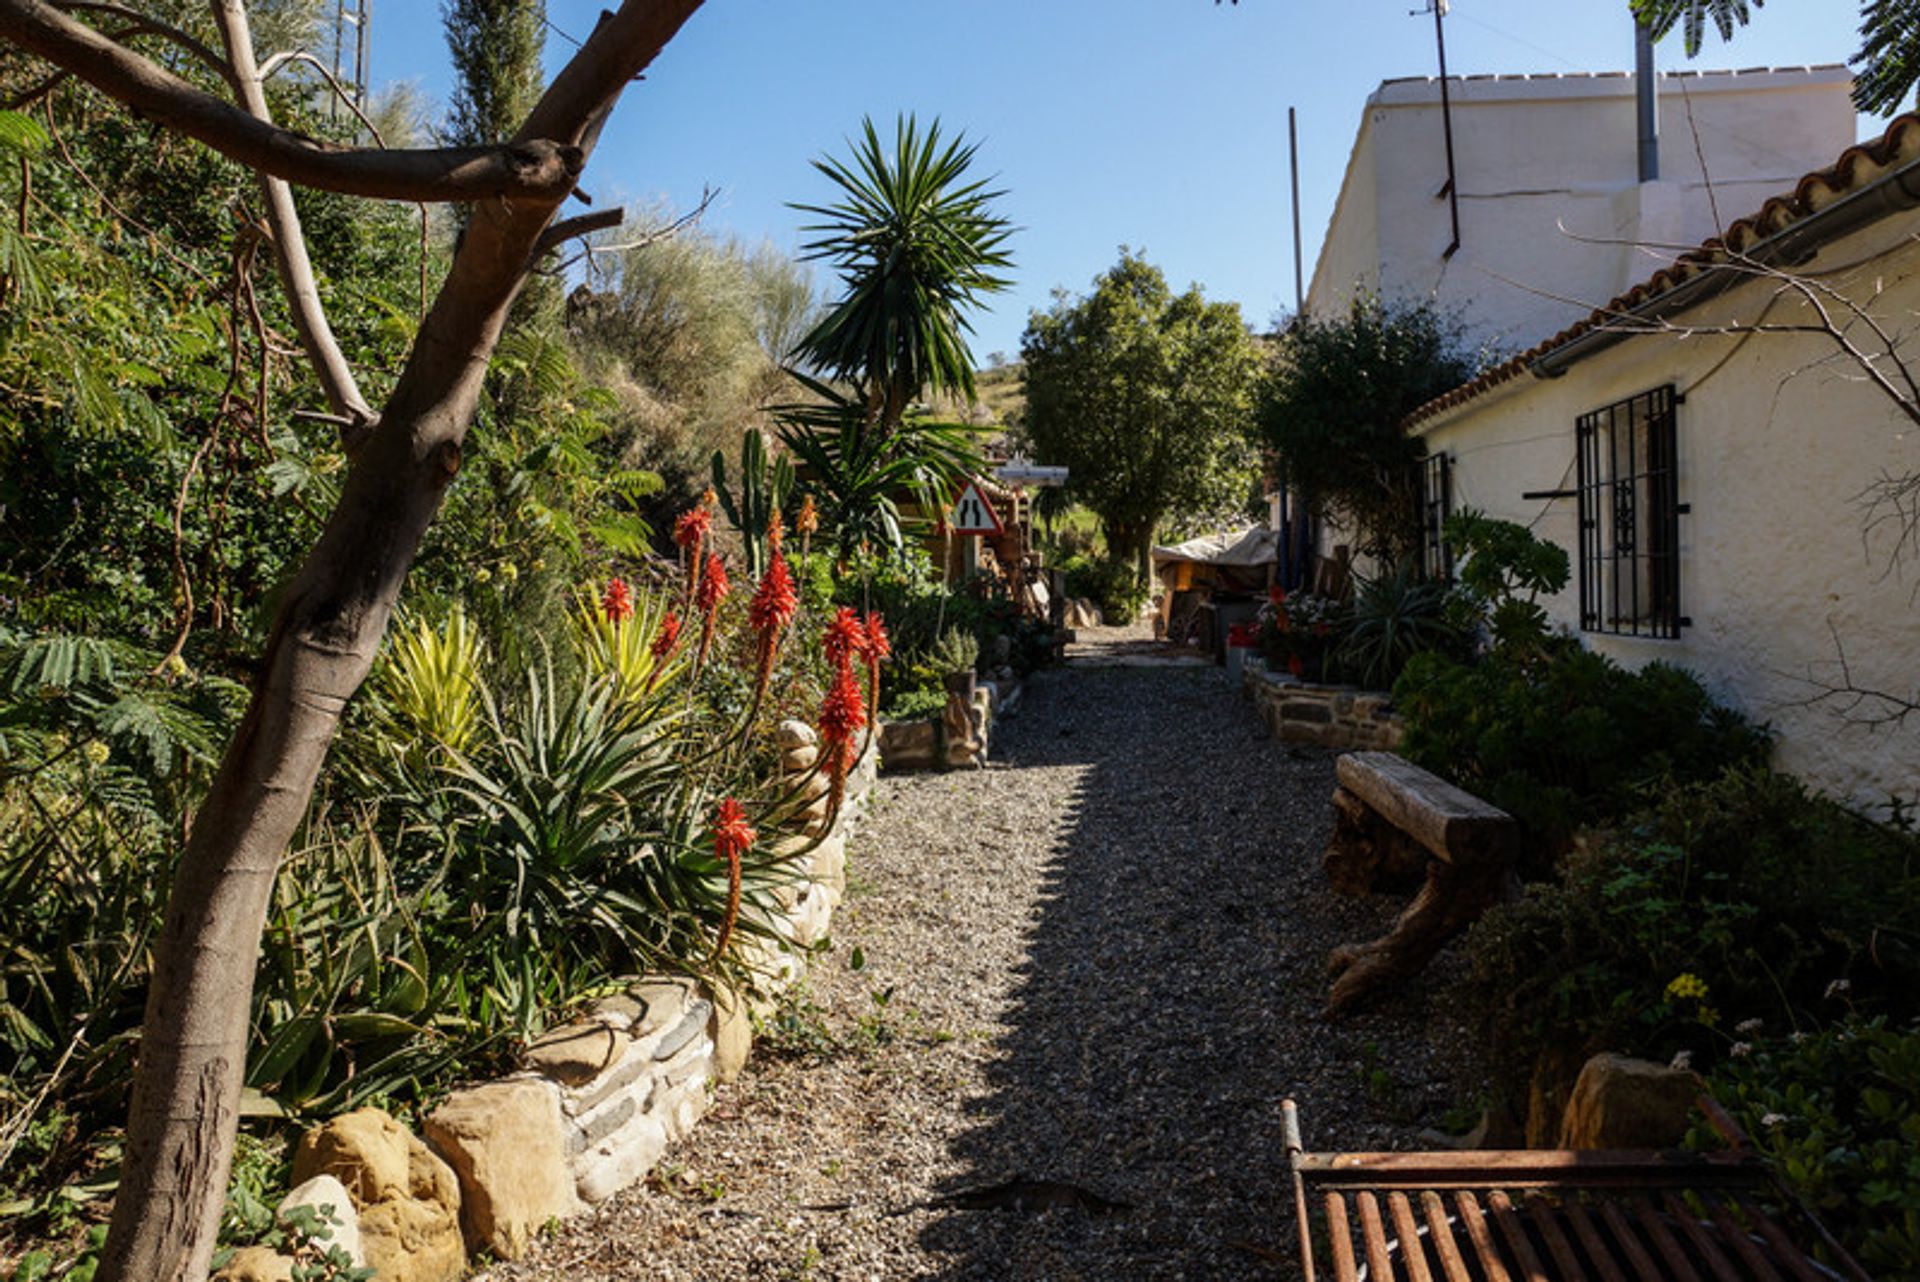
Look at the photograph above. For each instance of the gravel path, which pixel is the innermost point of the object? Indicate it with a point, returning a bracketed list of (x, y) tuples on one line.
[(1097, 962)]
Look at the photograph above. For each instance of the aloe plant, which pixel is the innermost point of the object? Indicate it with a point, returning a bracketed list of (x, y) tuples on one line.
[(765, 482)]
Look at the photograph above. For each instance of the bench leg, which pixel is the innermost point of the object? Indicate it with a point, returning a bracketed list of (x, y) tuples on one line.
[(1452, 899), (1367, 854)]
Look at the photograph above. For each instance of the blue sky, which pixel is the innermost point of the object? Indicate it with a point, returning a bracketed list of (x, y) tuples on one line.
[(1160, 124)]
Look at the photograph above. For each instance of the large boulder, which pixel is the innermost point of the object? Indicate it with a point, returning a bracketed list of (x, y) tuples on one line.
[(1619, 1102), (731, 1029), (505, 1142), (407, 1200)]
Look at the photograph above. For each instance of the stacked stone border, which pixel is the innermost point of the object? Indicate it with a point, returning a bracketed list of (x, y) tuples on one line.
[(1324, 716), (595, 1106), (957, 738)]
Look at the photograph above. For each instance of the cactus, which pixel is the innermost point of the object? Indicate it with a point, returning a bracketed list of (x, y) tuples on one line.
[(764, 486)]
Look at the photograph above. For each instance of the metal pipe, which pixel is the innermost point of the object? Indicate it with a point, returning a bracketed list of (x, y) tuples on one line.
[(1293, 160), (1647, 99), (1446, 125)]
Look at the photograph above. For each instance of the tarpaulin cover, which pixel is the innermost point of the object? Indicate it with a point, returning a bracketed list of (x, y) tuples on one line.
[(1241, 547)]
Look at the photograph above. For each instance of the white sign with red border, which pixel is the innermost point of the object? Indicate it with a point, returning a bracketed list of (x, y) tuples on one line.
[(973, 513)]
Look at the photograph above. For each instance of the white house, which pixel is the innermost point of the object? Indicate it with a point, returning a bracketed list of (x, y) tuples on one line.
[(1552, 216), (1708, 447)]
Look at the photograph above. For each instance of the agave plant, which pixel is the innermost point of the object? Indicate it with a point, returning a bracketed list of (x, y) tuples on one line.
[(430, 678)]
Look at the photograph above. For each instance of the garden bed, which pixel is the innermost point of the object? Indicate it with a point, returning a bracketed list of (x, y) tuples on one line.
[(937, 743), (1341, 717)]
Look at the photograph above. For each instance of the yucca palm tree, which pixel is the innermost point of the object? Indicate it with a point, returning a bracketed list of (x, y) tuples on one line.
[(916, 245)]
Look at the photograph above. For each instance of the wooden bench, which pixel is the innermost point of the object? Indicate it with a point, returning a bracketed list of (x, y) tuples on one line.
[(1395, 825), (1538, 1215)]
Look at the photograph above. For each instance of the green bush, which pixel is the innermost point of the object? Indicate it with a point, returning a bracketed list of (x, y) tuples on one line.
[(1745, 898), (1837, 1112), (1111, 583), (1395, 616), (1566, 738)]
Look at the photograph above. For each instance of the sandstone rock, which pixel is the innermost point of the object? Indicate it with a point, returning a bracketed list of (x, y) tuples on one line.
[(329, 1196), (794, 734), (731, 1029), (1619, 1102), (830, 865), (407, 1199), (575, 1054), (799, 760), (256, 1264), (618, 1011), (664, 1000), (621, 1160), (505, 1143)]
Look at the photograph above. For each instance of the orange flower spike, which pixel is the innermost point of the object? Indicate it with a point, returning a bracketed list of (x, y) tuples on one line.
[(617, 604), (845, 637), (712, 589), (808, 518), (842, 716), (776, 535), (732, 838), (663, 645), (878, 648), (772, 609)]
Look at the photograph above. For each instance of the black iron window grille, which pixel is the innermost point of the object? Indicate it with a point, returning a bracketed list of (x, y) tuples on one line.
[(1630, 517), (1436, 505)]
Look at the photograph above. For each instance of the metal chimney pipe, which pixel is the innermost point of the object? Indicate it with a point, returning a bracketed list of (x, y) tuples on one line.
[(1647, 95)]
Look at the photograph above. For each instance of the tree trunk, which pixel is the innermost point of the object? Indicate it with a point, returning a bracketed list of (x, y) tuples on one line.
[(194, 1040)]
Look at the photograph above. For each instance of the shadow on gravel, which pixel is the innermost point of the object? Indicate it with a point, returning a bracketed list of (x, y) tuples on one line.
[(1170, 1000)]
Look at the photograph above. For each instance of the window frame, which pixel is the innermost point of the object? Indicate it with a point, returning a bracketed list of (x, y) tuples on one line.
[(1436, 505), (1629, 517)]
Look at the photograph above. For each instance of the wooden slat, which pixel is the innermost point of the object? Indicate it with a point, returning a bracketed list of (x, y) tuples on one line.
[(1528, 1168), (1678, 1266), (1547, 1217), (1452, 823), (1440, 1233), (1596, 1247), (1375, 1236), (1705, 1243), (1480, 1234), (1638, 1260), (1758, 1266), (1342, 1238), (1408, 1231), (1517, 1240), (1783, 1246)]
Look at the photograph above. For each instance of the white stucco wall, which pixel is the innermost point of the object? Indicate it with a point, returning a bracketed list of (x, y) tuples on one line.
[(1552, 216), (1777, 442)]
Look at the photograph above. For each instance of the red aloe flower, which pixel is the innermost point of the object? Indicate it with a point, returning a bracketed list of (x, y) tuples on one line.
[(776, 535), (845, 637), (732, 838), (842, 716), (617, 604), (773, 607), (690, 530), (664, 641), (712, 590), (879, 646)]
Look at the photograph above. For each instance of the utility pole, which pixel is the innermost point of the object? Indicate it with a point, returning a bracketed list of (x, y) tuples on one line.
[(1293, 160), (1452, 189), (1647, 100)]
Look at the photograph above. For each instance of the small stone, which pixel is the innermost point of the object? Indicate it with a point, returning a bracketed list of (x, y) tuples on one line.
[(691, 1025), (731, 1029), (575, 1054), (256, 1264), (504, 1141), (794, 734), (330, 1198), (622, 1160)]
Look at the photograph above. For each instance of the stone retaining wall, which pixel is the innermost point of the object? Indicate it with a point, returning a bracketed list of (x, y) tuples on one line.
[(597, 1104), (1339, 717), (958, 738)]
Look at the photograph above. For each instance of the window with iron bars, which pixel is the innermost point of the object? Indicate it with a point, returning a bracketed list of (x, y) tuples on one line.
[(1436, 505), (1630, 509)]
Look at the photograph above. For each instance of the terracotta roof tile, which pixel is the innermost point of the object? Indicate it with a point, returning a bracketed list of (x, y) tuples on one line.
[(1857, 167)]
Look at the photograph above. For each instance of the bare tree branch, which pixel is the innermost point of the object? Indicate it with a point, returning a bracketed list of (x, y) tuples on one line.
[(289, 241), (534, 165), (145, 25)]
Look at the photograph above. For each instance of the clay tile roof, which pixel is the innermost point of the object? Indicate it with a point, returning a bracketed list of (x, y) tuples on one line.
[(1857, 167)]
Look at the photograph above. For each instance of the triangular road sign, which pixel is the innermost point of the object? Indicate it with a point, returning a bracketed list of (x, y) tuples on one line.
[(973, 513)]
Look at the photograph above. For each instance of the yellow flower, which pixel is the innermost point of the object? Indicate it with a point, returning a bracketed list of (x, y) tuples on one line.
[(482, 575), (509, 571), (96, 752), (1687, 985), (175, 666)]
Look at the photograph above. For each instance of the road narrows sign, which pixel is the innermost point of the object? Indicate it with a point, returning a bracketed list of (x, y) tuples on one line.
[(973, 513)]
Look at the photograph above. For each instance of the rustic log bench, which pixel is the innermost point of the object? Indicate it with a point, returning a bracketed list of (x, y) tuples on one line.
[(1395, 824)]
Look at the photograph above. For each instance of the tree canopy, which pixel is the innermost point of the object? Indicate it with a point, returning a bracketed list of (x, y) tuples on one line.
[(1886, 67), (1332, 406), (1145, 395)]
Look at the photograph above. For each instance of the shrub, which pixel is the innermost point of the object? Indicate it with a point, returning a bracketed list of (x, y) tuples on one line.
[(1112, 583), (1837, 1112), (1741, 899), (1567, 738)]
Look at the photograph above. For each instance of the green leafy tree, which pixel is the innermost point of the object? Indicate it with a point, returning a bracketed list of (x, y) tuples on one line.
[(916, 244), (496, 46), (1886, 67), (1332, 406), (1145, 396)]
